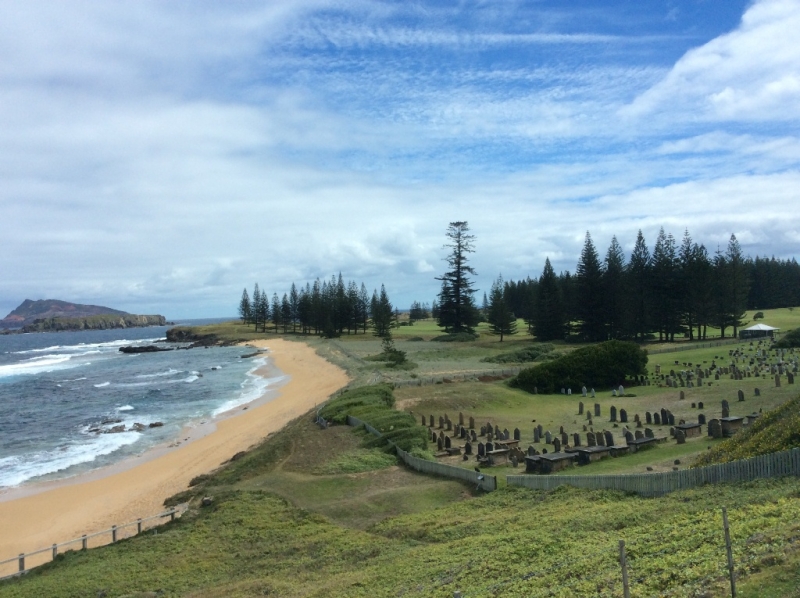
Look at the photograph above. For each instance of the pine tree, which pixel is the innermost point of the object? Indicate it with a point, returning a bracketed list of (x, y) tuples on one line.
[(244, 307), (548, 319), (286, 313), (501, 319), (382, 313), (590, 299), (457, 312), (665, 288), (276, 311), (294, 302), (262, 310), (638, 282), (614, 290), (739, 283)]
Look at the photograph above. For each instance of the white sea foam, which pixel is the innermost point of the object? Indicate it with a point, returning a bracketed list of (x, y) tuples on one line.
[(102, 385), (125, 408), (169, 372), (36, 365), (252, 388), (19, 468)]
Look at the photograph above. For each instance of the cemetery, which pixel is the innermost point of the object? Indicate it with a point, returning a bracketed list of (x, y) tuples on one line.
[(680, 408)]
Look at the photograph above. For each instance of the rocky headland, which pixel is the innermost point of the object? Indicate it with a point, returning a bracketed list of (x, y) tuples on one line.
[(52, 315)]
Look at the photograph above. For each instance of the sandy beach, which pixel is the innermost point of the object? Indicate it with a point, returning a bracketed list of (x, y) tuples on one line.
[(35, 517)]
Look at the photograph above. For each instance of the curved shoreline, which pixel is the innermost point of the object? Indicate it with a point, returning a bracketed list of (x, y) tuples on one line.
[(35, 517)]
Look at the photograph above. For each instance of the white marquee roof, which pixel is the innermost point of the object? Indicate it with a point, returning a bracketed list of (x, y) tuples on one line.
[(762, 327)]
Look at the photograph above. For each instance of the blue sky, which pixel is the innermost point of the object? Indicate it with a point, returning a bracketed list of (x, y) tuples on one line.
[(160, 156)]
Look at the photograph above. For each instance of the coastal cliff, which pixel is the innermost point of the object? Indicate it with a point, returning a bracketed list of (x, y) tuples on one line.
[(53, 315)]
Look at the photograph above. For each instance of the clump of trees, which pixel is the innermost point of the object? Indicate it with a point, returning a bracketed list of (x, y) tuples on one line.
[(603, 365), (327, 308)]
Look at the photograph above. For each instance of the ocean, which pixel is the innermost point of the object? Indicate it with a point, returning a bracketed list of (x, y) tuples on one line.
[(61, 394)]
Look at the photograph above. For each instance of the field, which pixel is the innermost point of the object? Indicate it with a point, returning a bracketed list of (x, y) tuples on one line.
[(313, 513)]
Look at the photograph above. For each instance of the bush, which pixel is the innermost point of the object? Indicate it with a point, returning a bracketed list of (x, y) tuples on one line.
[(457, 337), (759, 315), (522, 355), (603, 365), (789, 340)]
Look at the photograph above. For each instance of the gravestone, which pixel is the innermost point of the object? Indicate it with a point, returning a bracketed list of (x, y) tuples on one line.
[(621, 391), (506, 435), (497, 431), (569, 391), (474, 436), (701, 419), (758, 392), (431, 422), (670, 418), (584, 427), (613, 412), (481, 450), (726, 410), (597, 409), (531, 451), (548, 437), (441, 422), (489, 447), (423, 420), (741, 395), (471, 423), (583, 392), (613, 392), (680, 437), (694, 405), (629, 437), (462, 432), (777, 380), (536, 435), (716, 375), (700, 405), (600, 438), (556, 445), (580, 408), (656, 419), (623, 416), (590, 439), (593, 393), (541, 432), (576, 439), (648, 418), (517, 434), (447, 443), (609, 438), (588, 414), (715, 428), (439, 444), (489, 436), (648, 433), (564, 438), (664, 418), (460, 419), (682, 396), (636, 418), (561, 430), (432, 435), (639, 434), (448, 425), (789, 378), (563, 390)]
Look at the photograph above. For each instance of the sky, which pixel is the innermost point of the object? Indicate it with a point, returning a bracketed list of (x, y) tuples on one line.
[(160, 156)]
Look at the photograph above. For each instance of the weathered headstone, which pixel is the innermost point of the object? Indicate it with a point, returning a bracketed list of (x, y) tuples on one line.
[(670, 418), (506, 435), (621, 391), (474, 436), (656, 419), (590, 439), (489, 436), (629, 437), (423, 420), (682, 396), (471, 423), (563, 390), (569, 391), (531, 451), (789, 378), (648, 433), (448, 425), (726, 410), (639, 435), (541, 430), (664, 418), (580, 408), (701, 419), (497, 431), (481, 450), (613, 412), (576, 439), (648, 417), (548, 437), (536, 434), (609, 438), (447, 443), (700, 405), (777, 380), (489, 447), (680, 437), (740, 394), (758, 392), (583, 392), (561, 429), (564, 438), (440, 444), (597, 409), (613, 392), (441, 422), (517, 434), (462, 432), (556, 445), (593, 393), (468, 449), (715, 428), (623, 416)]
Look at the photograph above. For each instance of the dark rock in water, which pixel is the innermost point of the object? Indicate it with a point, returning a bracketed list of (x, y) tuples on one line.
[(115, 429), (144, 349), (137, 427), (156, 424), (105, 422)]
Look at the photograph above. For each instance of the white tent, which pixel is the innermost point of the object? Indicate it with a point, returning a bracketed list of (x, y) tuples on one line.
[(757, 330)]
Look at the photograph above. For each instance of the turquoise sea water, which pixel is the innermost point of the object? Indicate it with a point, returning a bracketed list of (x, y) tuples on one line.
[(62, 393)]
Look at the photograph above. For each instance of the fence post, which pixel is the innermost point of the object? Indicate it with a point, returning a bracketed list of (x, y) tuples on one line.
[(84, 542), (728, 549), (172, 515), (55, 551), (21, 562), (623, 562), (139, 525), (113, 533)]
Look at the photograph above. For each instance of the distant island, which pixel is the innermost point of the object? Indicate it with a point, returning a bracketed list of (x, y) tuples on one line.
[(52, 315)]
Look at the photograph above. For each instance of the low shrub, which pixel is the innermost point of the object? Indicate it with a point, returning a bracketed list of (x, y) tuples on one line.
[(603, 365), (759, 315), (456, 337), (532, 353), (789, 340)]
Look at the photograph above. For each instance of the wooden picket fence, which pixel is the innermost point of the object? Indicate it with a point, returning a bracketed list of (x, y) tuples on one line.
[(481, 480), (112, 534), (774, 465)]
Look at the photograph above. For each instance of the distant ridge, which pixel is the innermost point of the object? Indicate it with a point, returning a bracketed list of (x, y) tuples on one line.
[(53, 315)]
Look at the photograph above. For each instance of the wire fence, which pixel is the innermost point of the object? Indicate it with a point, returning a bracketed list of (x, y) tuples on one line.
[(24, 562)]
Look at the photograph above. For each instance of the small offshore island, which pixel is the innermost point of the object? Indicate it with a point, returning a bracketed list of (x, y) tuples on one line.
[(53, 315)]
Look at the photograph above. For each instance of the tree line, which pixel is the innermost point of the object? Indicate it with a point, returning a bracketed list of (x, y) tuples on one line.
[(675, 289), (327, 308)]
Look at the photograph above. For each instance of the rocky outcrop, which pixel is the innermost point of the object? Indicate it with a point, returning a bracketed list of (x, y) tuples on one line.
[(144, 349), (53, 315), (93, 323), (187, 334)]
